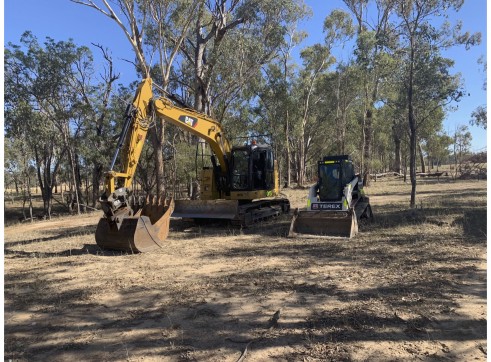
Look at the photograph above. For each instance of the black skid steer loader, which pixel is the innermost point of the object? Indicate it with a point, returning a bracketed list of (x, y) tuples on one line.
[(335, 203)]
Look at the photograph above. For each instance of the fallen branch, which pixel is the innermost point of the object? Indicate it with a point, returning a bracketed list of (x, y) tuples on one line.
[(244, 354)]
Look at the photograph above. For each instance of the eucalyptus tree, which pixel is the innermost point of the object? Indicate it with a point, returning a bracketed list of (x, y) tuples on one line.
[(426, 81), (461, 146), (438, 146), (374, 34), (344, 100), (18, 165), (316, 61), (479, 116), (95, 112), (276, 108), (235, 37), (151, 27), (42, 105)]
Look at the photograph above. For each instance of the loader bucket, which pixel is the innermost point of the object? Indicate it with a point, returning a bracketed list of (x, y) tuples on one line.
[(324, 223), (145, 231)]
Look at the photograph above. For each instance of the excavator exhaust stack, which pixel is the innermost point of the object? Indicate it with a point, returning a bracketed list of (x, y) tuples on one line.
[(136, 232)]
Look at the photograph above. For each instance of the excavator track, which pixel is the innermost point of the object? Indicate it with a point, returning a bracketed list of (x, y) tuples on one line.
[(240, 215), (260, 210)]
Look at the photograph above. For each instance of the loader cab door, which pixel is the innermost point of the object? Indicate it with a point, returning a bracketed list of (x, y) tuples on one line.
[(330, 182)]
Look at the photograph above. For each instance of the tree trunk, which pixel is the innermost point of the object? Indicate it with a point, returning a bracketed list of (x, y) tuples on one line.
[(72, 171), (78, 178), (412, 130), (96, 179), (397, 151), (367, 149), (422, 158), (287, 149), (301, 161)]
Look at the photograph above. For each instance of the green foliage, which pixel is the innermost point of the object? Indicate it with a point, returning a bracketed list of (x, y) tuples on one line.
[(233, 60), (480, 117)]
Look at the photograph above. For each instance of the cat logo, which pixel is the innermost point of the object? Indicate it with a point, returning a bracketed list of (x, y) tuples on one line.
[(190, 121)]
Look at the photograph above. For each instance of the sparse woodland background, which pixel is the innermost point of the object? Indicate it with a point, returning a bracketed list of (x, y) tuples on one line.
[(234, 60)]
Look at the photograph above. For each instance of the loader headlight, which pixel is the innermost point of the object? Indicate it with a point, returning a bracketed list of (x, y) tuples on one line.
[(116, 204)]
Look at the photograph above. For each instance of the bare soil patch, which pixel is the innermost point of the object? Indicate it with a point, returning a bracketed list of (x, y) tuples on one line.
[(410, 286)]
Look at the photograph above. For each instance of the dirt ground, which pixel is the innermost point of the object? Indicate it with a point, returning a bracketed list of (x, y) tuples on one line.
[(410, 287)]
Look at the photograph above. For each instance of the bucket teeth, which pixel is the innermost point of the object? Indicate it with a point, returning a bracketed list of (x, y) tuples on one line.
[(143, 232)]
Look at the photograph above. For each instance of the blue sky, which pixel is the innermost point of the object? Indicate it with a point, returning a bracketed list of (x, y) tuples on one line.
[(62, 19)]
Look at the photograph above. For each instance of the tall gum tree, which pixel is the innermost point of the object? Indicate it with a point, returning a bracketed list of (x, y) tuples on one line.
[(40, 78), (373, 34), (258, 28), (316, 61), (276, 108), (166, 22), (426, 74)]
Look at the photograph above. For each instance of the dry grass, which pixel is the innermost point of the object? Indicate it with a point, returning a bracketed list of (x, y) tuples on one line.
[(410, 286)]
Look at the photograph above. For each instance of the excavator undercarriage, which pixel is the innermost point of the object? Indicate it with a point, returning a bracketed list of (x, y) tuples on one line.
[(239, 214)]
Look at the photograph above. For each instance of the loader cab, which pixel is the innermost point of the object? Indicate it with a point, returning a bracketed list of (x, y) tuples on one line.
[(252, 168), (334, 173)]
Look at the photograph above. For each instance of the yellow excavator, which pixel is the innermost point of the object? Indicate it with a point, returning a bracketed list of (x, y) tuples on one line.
[(242, 185)]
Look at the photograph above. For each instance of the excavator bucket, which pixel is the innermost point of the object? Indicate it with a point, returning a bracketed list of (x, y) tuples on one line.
[(324, 223), (144, 231)]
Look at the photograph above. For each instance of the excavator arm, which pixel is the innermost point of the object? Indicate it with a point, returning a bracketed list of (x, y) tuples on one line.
[(132, 139), (197, 124)]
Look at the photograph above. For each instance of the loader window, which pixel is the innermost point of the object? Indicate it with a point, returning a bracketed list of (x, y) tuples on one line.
[(240, 170), (348, 172), (330, 183)]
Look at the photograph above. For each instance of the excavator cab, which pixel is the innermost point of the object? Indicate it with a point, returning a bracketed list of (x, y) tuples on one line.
[(252, 168), (247, 193)]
